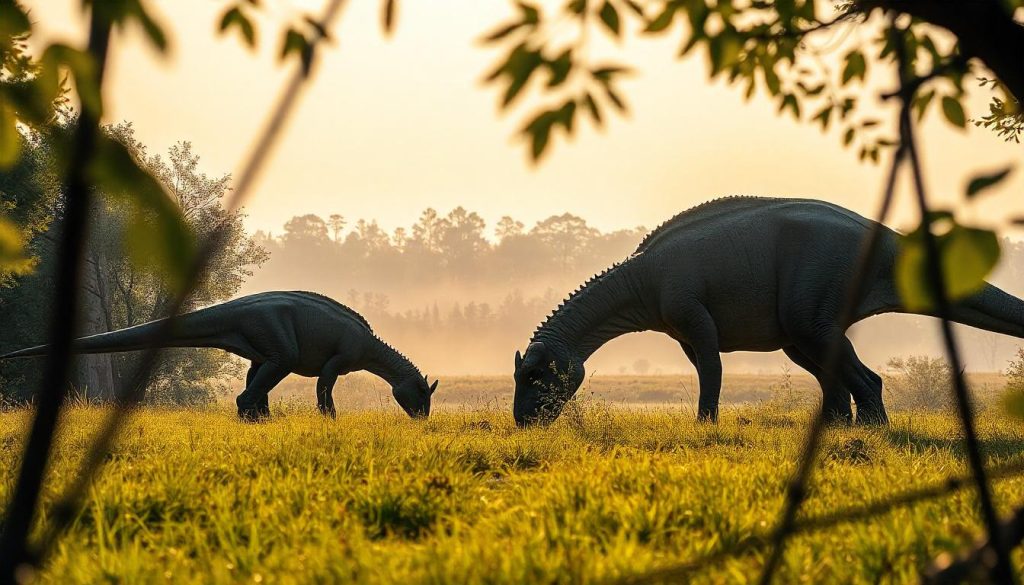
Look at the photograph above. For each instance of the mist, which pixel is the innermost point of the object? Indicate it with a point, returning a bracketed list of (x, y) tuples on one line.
[(460, 297)]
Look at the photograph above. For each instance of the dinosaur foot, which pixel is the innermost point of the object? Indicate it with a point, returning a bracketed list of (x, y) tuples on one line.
[(872, 417), (253, 414)]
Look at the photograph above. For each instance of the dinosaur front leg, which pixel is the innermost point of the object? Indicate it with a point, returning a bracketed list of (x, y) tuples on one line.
[(253, 403), (698, 336)]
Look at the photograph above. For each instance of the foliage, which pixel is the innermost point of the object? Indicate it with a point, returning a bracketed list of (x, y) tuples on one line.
[(919, 383), (1013, 399), (124, 287), (194, 496)]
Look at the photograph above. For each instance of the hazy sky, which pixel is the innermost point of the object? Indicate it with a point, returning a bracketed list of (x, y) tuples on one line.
[(391, 126)]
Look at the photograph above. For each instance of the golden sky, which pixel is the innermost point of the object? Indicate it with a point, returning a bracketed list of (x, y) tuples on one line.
[(391, 126)]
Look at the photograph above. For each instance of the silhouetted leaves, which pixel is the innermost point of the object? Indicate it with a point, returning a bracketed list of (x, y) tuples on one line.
[(13, 20), (953, 111), (610, 18), (967, 256), (82, 67), (121, 12), (10, 139), (981, 182), (855, 68), (296, 42), (234, 17)]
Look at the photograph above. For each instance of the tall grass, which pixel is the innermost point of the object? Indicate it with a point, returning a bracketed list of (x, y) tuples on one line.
[(465, 497)]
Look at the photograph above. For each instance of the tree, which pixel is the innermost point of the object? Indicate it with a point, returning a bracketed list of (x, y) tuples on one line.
[(337, 223), (508, 228), (308, 229)]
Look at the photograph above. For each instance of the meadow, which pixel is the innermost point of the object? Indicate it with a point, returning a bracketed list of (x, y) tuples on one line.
[(607, 492)]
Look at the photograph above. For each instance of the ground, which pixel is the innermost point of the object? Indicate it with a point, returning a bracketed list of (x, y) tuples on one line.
[(465, 497)]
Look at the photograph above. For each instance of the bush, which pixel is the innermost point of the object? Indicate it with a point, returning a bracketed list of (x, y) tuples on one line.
[(918, 383)]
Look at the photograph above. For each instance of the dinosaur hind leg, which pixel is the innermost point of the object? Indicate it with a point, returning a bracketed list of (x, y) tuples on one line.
[(835, 404), (253, 403), (858, 380)]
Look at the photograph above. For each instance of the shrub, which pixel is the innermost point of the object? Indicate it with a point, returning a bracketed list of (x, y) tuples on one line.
[(918, 383)]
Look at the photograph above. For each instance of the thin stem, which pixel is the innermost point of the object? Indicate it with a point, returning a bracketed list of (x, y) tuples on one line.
[(50, 398)]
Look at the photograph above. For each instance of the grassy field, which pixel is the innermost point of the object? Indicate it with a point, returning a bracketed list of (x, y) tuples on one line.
[(195, 496)]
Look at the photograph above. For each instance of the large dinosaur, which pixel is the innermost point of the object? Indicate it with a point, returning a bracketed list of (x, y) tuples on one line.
[(280, 333), (737, 274)]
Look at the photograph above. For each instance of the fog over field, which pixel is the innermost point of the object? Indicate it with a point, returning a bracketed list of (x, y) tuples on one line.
[(459, 296)]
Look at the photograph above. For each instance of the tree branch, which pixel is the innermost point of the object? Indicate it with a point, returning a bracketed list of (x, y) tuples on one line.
[(986, 30)]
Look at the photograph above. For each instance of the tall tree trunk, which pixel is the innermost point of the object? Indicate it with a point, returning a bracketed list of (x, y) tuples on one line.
[(94, 374)]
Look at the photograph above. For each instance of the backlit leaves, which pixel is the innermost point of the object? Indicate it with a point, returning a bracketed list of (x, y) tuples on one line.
[(967, 255), (124, 12), (296, 42), (12, 250), (610, 18), (10, 138), (157, 239), (13, 20), (855, 68), (953, 111)]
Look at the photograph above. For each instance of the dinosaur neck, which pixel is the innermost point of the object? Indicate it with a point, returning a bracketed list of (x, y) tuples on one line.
[(384, 361), (606, 307)]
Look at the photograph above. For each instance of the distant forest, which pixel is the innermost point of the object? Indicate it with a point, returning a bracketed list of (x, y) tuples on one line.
[(460, 297)]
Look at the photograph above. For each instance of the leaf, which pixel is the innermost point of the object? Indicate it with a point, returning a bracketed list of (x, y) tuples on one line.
[(295, 42), (158, 239), (388, 16), (502, 32), (154, 32), (954, 111), (531, 15), (981, 182), (235, 17), (848, 136), (10, 138), (12, 249), (663, 20), (967, 256), (593, 108), (724, 51), (13, 20), (856, 66), (610, 18)]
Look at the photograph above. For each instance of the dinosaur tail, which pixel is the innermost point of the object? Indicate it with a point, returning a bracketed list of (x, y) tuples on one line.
[(141, 336), (993, 310)]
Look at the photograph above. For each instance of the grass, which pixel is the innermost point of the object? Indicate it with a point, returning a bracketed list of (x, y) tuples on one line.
[(465, 497)]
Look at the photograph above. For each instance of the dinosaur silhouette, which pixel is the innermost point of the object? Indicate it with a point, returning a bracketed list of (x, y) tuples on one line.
[(280, 333), (737, 274)]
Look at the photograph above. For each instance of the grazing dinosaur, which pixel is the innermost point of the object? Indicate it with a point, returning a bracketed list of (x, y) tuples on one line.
[(738, 274), (280, 333)]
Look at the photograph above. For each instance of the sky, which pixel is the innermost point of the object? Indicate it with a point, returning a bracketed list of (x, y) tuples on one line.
[(391, 126)]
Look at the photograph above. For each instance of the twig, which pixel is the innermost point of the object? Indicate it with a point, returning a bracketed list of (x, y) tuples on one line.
[(52, 393), (65, 511)]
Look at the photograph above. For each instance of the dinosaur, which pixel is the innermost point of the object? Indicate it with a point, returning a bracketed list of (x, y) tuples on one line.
[(279, 333), (738, 274)]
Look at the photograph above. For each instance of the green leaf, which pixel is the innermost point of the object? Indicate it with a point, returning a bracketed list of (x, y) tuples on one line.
[(12, 249), (158, 239), (848, 136), (560, 68), (663, 20), (10, 138), (954, 111), (531, 15), (856, 66), (967, 256), (981, 182), (593, 108), (236, 18), (154, 32), (502, 32), (610, 18), (724, 51), (13, 20)]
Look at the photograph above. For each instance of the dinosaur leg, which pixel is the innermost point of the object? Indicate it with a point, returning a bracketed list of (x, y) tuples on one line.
[(324, 394), (264, 407), (253, 403), (698, 337), (870, 408), (839, 400), (851, 375)]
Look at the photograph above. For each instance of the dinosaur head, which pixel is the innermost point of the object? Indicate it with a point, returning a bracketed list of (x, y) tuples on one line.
[(413, 395), (546, 378)]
